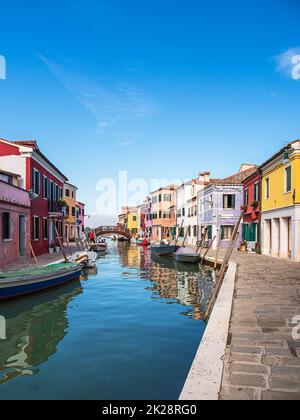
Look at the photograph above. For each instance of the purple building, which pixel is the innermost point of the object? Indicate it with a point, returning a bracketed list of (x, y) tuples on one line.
[(219, 207)]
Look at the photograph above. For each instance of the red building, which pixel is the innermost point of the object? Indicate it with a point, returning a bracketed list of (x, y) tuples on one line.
[(252, 207), (44, 182)]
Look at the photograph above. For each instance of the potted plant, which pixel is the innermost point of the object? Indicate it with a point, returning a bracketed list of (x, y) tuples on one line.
[(254, 204), (57, 248), (62, 203), (52, 248)]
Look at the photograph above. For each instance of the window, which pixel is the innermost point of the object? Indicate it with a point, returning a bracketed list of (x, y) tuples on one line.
[(195, 231), (36, 182), (209, 233), (72, 194), (227, 232), (6, 226), (183, 212), (36, 228), (45, 229), (246, 197), (45, 187), (267, 188), (229, 201), (160, 214), (288, 179), (256, 192), (159, 198), (67, 211), (67, 193), (167, 197), (73, 211)]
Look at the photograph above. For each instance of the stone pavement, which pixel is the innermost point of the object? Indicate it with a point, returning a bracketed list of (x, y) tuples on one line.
[(23, 262), (262, 359)]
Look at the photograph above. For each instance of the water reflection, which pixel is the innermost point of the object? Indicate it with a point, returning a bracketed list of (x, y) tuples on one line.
[(106, 336), (35, 326), (174, 282)]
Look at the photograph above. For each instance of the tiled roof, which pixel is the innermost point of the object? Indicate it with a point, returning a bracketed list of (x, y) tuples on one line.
[(236, 179), (28, 143)]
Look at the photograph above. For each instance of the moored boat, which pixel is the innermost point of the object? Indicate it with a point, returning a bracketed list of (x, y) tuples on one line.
[(186, 255), (164, 249), (23, 282)]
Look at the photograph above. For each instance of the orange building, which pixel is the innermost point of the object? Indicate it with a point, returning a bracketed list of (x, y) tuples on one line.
[(70, 222), (164, 213)]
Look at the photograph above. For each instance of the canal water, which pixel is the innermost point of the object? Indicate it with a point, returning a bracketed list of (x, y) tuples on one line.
[(128, 330)]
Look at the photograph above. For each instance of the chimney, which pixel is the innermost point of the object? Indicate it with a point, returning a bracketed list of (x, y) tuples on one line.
[(204, 177)]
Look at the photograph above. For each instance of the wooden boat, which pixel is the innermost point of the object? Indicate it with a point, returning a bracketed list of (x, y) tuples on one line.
[(99, 247), (186, 255), (164, 249), (86, 259), (122, 239), (27, 281)]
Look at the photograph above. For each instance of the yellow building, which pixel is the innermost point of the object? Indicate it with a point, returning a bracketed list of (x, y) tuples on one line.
[(132, 221), (70, 223), (280, 217), (130, 218)]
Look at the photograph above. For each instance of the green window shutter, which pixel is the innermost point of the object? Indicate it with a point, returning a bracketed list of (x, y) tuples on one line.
[(210, 232), (252, 232), (244, 232)]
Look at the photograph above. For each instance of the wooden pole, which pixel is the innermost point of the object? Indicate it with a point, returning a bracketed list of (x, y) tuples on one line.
[(185, 238), (61, 245), (179, 233), (209, 248), (204, 237), (224, 266), (218, 248), (33, 254)]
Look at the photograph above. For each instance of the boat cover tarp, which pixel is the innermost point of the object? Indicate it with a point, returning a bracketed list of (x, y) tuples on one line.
[(37, 270)]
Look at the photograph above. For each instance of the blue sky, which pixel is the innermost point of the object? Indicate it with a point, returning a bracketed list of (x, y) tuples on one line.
[(162, 89)]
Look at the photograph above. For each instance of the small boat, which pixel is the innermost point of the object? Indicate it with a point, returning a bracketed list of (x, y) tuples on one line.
[(164, 249), (122, 239), (86, 259), (186, 255), (23, 282), (99, 246)]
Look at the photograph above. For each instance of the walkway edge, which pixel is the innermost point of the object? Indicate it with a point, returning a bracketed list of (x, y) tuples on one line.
[(205, 377)]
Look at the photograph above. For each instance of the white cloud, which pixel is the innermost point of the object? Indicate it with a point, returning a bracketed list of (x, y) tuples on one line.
[(288, 63), (109, 103)]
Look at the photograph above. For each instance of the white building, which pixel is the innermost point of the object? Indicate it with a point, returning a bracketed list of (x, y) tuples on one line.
[(186, 208)]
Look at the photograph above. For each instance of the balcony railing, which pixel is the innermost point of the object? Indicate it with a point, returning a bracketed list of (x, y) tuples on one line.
[(54, 207)]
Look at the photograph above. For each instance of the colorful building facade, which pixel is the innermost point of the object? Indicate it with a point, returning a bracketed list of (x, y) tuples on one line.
[(252, 207), (44, 182), (148, 217), (164, 213), (15, 219), (187, 208), (80, 218), (280, 210), (219, 207), (70, 222)]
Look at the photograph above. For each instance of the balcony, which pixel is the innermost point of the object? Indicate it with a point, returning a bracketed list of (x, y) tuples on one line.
[(55, 209)]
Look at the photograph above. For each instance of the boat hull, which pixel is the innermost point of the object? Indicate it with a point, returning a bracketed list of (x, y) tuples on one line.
[(19, 287), (164, 251), (187, 258)]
